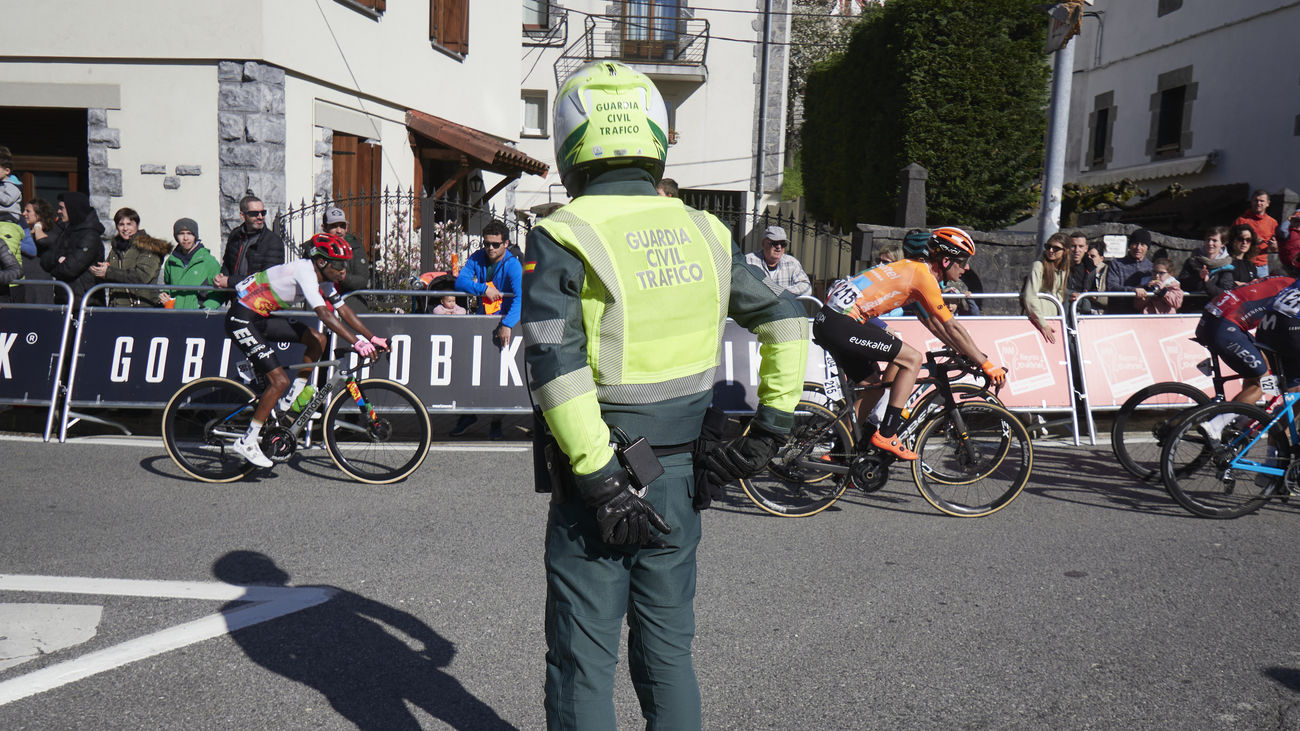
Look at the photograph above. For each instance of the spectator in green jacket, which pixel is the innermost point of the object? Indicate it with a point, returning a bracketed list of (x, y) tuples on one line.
[(190, 263)]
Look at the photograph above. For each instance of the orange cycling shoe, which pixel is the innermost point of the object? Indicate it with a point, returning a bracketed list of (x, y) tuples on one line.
[(893, 445)]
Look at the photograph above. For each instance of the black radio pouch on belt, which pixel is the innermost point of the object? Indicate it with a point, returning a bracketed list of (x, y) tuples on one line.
[(711, 433), (550, 465)]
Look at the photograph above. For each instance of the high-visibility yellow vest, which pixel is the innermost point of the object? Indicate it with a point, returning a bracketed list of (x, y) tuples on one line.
[(654, 300)]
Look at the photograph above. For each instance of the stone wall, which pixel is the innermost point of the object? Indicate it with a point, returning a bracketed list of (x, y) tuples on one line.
[(251, 127), (105, 183)]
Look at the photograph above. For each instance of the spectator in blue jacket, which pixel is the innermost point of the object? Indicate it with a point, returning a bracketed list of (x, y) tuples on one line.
[(495, 275)]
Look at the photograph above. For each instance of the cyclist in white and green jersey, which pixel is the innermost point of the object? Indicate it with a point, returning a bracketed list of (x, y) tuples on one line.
[(253, 329)]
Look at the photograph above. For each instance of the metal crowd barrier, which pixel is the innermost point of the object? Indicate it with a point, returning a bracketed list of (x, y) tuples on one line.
[(25, 334), (140, 356), (1129, 352)]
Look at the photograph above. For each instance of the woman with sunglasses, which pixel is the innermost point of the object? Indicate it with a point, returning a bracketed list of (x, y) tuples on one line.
[(1048, 275), (1241, 246), (249, 323)]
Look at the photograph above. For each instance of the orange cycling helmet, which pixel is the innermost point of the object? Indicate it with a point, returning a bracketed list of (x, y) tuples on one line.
[(952, 242), (330, 247)]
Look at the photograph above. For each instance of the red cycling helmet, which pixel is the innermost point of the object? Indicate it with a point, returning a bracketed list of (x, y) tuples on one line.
[(330, 247)]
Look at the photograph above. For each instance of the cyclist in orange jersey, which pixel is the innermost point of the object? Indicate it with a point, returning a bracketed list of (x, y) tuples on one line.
[(847, 327)]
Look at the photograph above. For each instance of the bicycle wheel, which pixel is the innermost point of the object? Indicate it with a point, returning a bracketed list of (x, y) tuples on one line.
[(974, 471), (795, 484), (815, 392), (384, 449), (1144, 422), (1202, 461), (200, 425)]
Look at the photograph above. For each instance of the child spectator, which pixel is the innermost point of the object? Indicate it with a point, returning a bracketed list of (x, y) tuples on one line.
[(11, 204), (1160, 293), (189, 264), (447, 306)]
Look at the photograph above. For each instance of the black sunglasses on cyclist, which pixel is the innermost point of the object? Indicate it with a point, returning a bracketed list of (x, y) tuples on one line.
[(338, 266)]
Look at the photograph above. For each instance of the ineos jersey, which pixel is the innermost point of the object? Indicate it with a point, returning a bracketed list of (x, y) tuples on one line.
[(1246, 305), (885, 287), (285, 285)]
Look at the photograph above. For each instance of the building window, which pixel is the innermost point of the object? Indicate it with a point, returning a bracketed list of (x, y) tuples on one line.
[(537, 14), (535, 113), (650, 29), (1171, 114), (1101, 128), (373, 8), (1165, 7), (449, 25), (1169, 127)]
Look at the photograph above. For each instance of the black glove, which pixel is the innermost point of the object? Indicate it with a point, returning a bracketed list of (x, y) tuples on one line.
[(744, 456), (624, 519)]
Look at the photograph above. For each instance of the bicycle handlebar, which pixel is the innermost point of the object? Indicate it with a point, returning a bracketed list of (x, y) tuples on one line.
[(944, 361)]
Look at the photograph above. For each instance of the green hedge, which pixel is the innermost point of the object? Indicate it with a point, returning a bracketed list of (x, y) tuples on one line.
[(960, 87)]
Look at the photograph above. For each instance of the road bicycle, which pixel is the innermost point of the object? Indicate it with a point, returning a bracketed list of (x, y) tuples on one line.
[(975, 456), (1225, 460), (1147, 418), (376, 430)]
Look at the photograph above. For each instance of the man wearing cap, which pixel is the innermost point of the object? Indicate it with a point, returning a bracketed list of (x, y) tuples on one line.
[(336, 222), (1126, 273), (784, 270)]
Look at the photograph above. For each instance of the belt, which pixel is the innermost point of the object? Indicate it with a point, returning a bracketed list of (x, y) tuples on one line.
[(674, 449)]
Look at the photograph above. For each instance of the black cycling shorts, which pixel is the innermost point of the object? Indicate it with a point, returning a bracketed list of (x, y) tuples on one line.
[(254, 335), (856, 347), (1282, 334), (1233, 346)]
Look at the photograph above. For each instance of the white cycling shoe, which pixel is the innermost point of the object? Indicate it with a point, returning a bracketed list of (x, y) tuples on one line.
[(251, 451)]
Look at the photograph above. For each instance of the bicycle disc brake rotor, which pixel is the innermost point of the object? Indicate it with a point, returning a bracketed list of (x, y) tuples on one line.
[(278, 443), (869, 472), (380, 430)]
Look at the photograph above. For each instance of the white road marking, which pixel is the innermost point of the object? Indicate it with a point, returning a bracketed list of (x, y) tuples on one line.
[(156, 443), (267, 602)]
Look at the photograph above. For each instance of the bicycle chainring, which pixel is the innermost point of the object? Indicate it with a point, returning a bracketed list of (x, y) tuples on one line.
[(278, 443), (869, 472)]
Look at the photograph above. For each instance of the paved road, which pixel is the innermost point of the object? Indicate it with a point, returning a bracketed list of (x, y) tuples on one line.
[(1090, 602)]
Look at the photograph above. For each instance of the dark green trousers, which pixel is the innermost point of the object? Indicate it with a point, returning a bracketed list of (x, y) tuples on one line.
[(590, 587)]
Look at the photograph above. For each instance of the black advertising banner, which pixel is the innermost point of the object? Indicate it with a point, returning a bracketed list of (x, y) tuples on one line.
[(139, 357), (29, 352)]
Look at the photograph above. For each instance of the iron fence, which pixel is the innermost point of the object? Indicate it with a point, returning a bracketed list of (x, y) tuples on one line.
[(407, 234)]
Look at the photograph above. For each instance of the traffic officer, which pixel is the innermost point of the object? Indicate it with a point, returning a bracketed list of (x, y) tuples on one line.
[(625, 294)]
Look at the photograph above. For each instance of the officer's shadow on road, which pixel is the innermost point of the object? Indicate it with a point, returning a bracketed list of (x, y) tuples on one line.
[(347, 648)]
